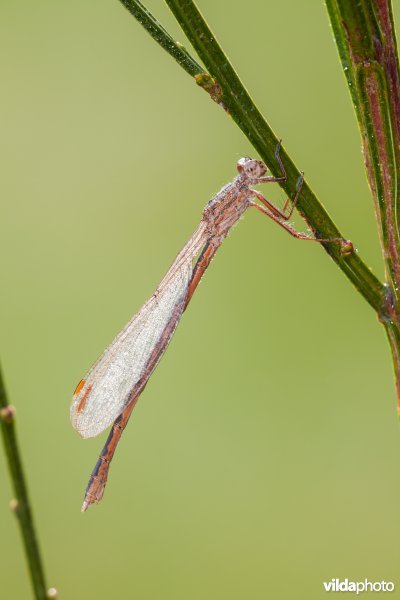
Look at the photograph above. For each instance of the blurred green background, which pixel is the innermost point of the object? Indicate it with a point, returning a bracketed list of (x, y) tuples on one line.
[(263, 457)]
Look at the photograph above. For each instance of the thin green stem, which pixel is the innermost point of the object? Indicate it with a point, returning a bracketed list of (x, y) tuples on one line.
[(162, 37), (174, 48), (228, 91), (20, 504)]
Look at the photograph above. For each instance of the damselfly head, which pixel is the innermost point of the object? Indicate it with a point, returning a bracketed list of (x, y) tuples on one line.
[(251, 168)]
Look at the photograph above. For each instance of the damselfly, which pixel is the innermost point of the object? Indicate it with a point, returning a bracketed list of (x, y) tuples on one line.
[(110, 390)]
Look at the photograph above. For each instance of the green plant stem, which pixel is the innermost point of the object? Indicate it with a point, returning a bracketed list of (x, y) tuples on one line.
[(393, 334), (21, 503), (365, 37), (366, 41), (162, 37), (232, 95)]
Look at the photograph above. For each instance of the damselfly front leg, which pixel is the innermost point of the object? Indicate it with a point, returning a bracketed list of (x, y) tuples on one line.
[(269, 178), (281, 213)]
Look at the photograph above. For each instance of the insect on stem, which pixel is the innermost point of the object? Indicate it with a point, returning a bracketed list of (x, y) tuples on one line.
[(111, 388)]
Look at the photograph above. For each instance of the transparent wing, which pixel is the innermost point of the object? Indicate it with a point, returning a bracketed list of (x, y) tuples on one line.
[(125, 366)]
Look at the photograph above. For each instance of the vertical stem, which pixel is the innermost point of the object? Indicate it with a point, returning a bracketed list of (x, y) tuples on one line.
[(20, 504), (393, 334), (366, 40)]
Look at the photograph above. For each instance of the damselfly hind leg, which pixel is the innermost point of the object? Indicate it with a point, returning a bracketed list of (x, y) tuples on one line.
[(282, 216), (346, 246)]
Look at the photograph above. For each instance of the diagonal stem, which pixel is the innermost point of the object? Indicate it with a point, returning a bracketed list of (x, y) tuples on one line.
[(227, 90), (21, 503), (162, 37)]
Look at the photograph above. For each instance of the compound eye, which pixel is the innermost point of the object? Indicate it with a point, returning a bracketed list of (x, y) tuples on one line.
[(261, 168), (241, 165)]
